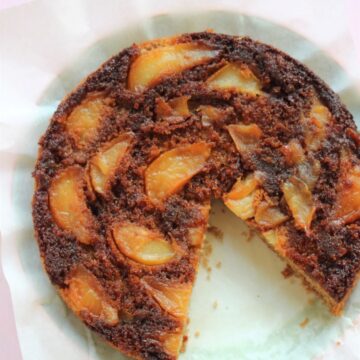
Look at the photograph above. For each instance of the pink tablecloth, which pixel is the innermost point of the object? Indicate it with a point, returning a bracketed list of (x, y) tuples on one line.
[(9, 345)]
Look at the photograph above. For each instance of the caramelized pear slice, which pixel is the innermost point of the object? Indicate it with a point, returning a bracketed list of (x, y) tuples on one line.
[(245, 137), (300, 202), (293, 152), (151, 66), (309, 171), (172, 344), (84, 121), (197, 233), (243, 187), (210, 114), (175, 107), (320, 114), (241, 199), (348, 198), (104, 164), (276, 238), (315, 126), (173, 169), (141, 244), (162, 108), (268, 215), (243, 208), (236, 77), (86, 295), (68, 204), (173, 298), (180, 105)]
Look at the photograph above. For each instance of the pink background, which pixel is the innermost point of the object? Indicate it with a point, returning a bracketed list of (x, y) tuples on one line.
[(9, 346)]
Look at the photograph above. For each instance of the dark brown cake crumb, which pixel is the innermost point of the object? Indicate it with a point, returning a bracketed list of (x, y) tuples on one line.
[(287, 272), (304, 323), (217, 232)]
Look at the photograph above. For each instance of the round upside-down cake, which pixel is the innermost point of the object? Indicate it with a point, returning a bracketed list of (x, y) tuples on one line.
[(134, 155)]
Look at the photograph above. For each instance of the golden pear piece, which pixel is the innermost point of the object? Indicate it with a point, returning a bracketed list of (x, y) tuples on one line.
[(173, 298), (237, 77), (180, 105), (104, 164), (197, 233), (300, 202), (151, 66), (68, 204), (276, 238), (141, 244), (172, 343), (245, 137), (174, 107), (85, 294), (293, 152), (315, 126), (309, 171), (84, 121), (268, 215), (241, 199), (210, 115), (173, 169), (348, 198)]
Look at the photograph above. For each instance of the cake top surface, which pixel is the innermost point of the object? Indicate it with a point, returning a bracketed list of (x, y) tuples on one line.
[(133, 157)]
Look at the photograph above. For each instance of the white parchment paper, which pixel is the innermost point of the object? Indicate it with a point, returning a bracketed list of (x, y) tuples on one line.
[(246, 309)]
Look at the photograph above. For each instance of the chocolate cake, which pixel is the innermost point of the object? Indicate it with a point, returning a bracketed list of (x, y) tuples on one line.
[(133, 157)]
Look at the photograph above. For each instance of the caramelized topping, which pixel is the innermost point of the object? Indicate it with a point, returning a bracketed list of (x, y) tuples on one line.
[(68, 204), (243, 208), (243, 187), (104, 164), (197, 233), (276, 238), (84, 121), (173, 298), (293, 152), (85, 295), (151, 66), (348, 198), (245, 137), (246, 200), (241, 199), (173, 169), (141, 244), (236, 77), (180, 105), (172, 344), (309, 172), (300, 202), (174, 107), (268, 215), (315, 126), (210, 114), (354, 135)]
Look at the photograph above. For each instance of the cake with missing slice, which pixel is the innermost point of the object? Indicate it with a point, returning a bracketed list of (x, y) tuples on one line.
[(133, 157)]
